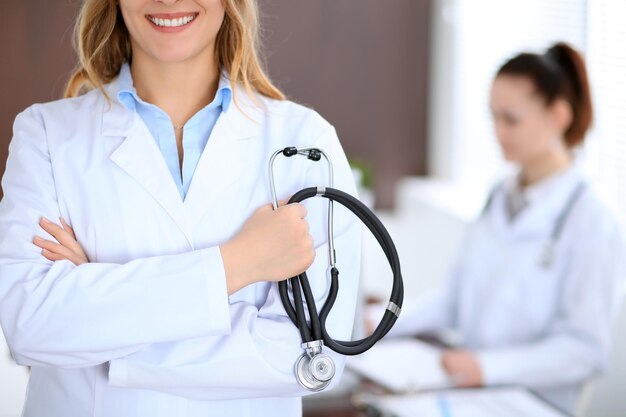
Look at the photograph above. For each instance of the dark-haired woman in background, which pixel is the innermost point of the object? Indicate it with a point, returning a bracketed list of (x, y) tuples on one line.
[(539, 279)]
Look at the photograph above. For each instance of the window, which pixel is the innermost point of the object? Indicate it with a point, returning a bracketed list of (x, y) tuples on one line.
[(472, 39)]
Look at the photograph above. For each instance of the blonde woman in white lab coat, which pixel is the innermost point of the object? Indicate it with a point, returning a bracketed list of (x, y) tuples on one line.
[(138, 247), (542, 270)]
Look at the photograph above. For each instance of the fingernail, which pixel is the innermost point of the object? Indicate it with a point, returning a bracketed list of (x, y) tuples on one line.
[(46, 221)]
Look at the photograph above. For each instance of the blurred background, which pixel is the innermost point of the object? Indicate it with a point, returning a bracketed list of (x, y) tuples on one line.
[(406, 84)]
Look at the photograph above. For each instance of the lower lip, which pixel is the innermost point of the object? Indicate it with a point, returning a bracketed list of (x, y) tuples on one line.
[(171, 29)]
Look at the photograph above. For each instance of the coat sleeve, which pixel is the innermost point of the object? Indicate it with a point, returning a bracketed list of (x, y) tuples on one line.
[(58, 314), (257, 358), (578, 341)]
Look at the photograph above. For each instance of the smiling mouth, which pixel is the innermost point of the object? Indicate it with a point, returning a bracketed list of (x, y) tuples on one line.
[(176, 22)]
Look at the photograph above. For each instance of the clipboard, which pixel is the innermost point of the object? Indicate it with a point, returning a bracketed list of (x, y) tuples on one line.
[(409, 370), (504, 401)]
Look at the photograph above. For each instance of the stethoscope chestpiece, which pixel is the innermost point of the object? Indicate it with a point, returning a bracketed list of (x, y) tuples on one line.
[(314, 369), (322, 367), (314, 373)]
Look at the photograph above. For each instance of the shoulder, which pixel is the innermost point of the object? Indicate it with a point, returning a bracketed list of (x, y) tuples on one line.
[(290, 110), (287, 118), (62, 113), (597, 217)]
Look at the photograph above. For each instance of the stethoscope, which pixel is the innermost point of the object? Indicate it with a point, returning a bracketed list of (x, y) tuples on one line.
[(547, 254), (314, 370)]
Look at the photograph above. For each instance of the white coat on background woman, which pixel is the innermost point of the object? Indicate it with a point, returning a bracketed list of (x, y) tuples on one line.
[(534, 304), (154, 294)]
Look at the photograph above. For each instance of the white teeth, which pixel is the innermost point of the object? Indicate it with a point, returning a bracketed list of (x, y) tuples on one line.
[(172, 22)]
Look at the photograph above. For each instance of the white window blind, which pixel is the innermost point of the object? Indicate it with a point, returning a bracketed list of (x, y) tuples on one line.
[(606, 58)]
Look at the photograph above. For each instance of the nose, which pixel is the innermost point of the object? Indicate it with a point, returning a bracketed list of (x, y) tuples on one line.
[(168, 2)]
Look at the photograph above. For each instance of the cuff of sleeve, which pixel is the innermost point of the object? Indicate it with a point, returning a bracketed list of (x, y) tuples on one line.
[(118, 373), (493, 365), (218, 306)]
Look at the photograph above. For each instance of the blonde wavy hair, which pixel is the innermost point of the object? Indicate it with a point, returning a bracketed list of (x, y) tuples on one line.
[(103, 45)]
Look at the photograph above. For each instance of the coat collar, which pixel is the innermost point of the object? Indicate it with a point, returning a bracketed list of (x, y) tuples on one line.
[(222, 163), (117, 120), (547, 200)]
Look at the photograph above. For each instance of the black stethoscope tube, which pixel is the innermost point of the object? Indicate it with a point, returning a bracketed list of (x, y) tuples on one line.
[(300, 284)]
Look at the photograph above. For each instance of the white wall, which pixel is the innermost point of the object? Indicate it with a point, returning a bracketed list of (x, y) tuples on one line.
[(13, 380)]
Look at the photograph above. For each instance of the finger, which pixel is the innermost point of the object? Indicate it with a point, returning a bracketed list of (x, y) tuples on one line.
[(62, 254), (46, 244), (50, 227), (298, 208), (458, 379), (56, 231), (52, 256), (270, 206), (60, 234), (283, 202), (54, 247), (58, 257), (280, 203), (67, 228)]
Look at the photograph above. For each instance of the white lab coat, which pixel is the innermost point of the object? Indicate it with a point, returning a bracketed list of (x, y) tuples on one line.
[(147, 328), (548, 329)]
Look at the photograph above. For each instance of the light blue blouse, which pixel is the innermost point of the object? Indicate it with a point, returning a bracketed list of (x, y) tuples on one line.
[(196, 131)]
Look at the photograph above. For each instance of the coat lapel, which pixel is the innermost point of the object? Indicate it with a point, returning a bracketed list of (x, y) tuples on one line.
[(225, 159), (139, 156)]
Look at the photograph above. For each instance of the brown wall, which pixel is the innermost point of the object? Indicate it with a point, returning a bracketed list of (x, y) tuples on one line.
[(36, 57), (361, 63)]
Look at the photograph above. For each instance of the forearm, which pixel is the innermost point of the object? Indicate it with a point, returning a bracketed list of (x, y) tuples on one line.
[(57, 314), (554, 361)]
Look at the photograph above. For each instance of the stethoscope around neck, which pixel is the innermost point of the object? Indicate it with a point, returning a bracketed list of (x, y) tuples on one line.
[(548, 251), (314, 370)]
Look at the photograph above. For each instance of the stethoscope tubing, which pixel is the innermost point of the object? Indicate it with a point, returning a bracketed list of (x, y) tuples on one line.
[(300, 284), (547, 255)]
